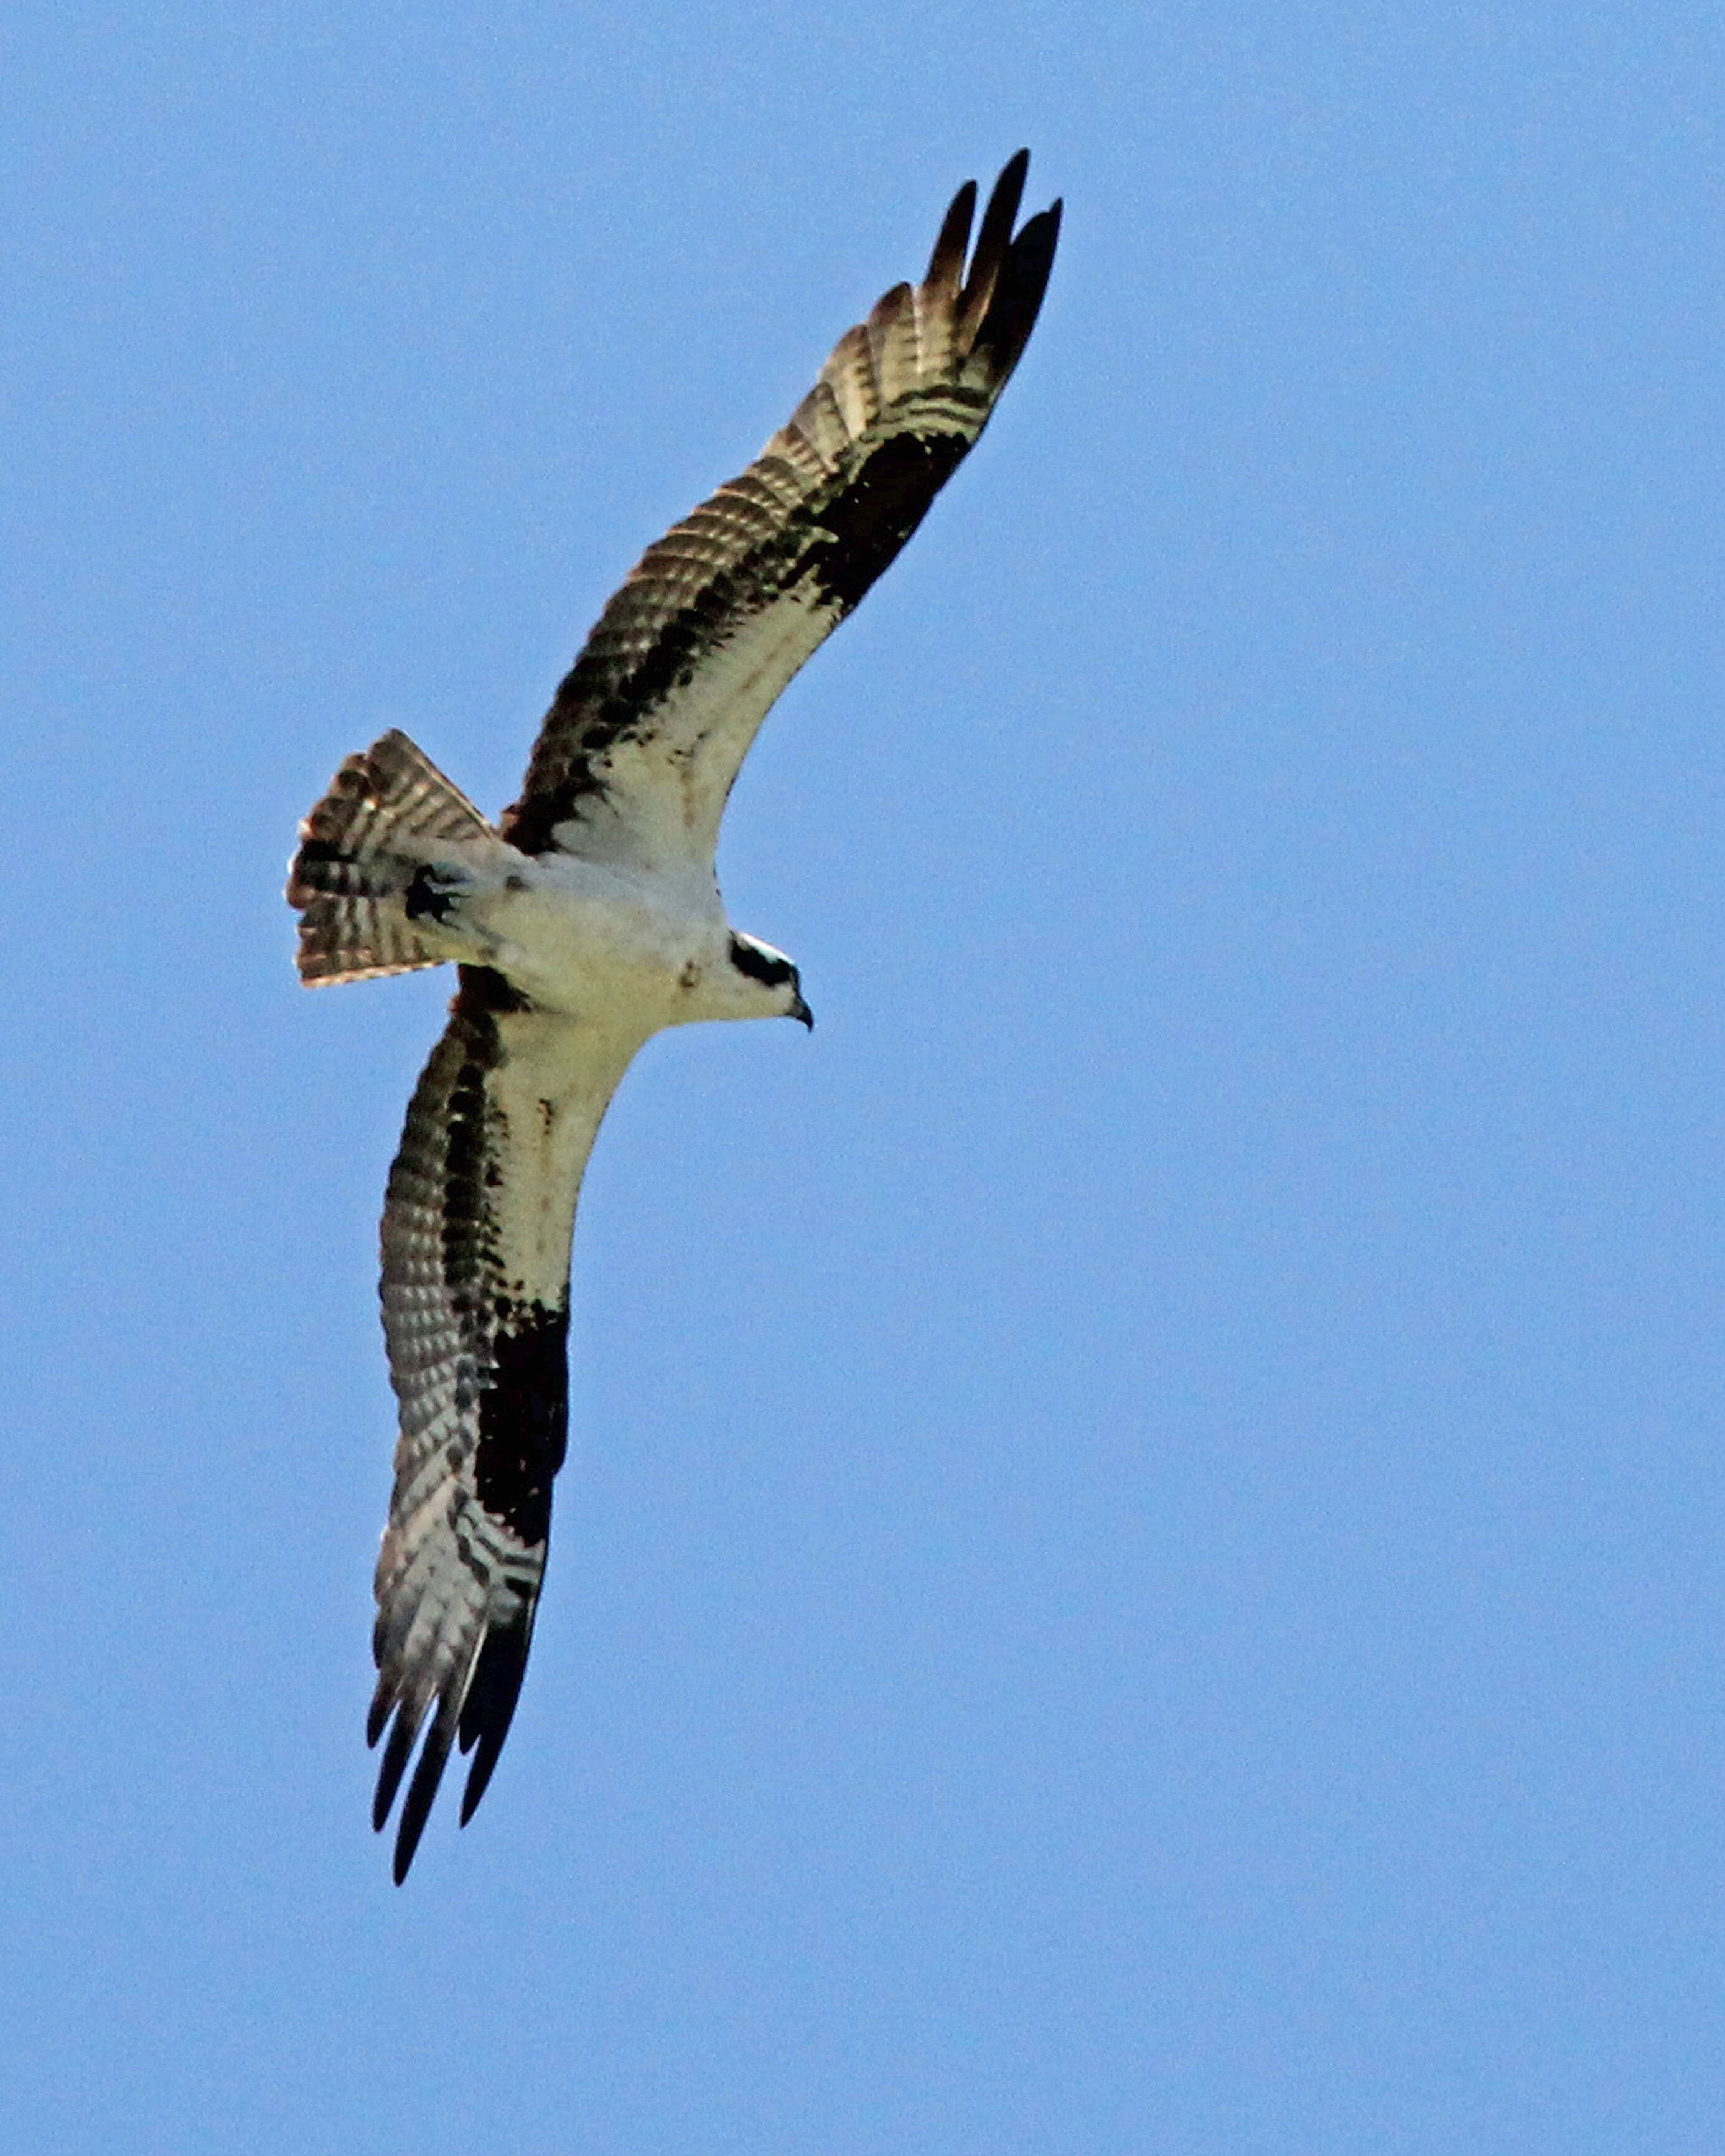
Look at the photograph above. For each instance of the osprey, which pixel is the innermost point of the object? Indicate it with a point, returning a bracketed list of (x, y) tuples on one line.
[(582, 922)]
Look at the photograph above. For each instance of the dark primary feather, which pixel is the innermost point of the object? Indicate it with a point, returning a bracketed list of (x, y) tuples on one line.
[(648, 728)]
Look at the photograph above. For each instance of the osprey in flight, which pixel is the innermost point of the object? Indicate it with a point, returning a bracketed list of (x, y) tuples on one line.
[(583, 922)]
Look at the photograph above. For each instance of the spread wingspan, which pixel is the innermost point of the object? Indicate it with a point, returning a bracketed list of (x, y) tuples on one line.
[(597, 893)]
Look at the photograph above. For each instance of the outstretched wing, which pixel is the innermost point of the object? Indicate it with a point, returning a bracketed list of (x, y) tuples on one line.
[(476, 1232), (647, 733)]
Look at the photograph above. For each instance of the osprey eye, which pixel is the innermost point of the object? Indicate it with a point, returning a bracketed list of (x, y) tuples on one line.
[(766, 967)]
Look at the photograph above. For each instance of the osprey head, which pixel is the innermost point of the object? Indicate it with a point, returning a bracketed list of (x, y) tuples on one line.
[(771, 984)]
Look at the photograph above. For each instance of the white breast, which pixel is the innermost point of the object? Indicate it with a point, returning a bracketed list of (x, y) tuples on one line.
[(599, 943)]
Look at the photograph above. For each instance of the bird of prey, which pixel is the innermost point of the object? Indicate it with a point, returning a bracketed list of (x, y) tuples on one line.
[(581, 924)]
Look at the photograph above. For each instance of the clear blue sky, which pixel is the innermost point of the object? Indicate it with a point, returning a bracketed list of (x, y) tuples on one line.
[(1144, 1564)]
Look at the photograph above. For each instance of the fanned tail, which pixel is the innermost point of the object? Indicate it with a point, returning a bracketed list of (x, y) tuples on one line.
[(388, 814)]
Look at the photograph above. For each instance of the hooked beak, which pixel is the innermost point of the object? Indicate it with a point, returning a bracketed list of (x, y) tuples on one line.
[(801, 1011)]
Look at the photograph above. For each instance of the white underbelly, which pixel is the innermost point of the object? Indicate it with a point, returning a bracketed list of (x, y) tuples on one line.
[(598, 955)]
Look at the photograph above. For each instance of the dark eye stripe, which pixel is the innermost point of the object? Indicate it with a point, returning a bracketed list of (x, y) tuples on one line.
[(748, 958)]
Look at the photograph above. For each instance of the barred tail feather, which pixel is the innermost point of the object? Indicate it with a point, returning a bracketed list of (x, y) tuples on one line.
[(389, 810)]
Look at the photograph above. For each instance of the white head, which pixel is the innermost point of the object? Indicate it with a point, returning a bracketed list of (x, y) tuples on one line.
[(763, 982)]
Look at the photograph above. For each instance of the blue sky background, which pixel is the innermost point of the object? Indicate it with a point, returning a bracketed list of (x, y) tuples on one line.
[(1143, 1566)]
